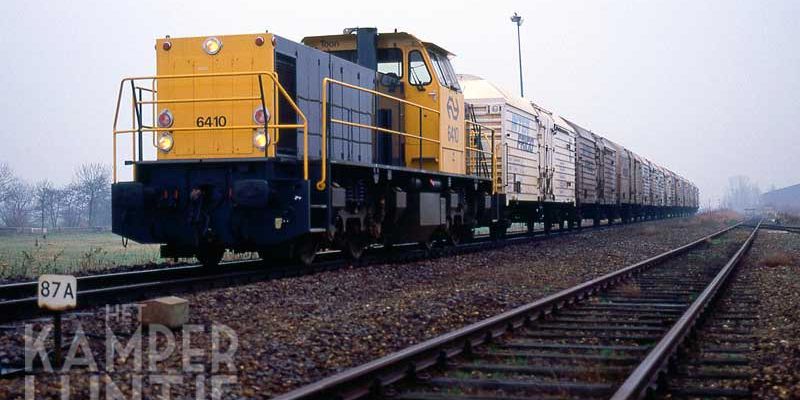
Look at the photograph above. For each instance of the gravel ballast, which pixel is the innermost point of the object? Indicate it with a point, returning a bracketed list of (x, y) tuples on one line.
[(297, 330), (775, 263)]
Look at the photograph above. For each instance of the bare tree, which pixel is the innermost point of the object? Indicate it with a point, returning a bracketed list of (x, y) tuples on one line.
[(71, 206), (741, 193), (16, 209), (45, 199), (93, 182), (7, 180), (55, 209)]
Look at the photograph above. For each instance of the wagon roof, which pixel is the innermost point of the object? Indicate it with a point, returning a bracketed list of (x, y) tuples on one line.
[(583, 132), (563, 124), (477, 88)]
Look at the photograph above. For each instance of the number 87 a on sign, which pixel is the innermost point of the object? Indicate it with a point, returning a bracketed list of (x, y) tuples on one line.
[(57, 292)]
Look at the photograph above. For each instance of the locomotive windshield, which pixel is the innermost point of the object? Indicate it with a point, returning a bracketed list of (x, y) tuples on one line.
[(444, 70)]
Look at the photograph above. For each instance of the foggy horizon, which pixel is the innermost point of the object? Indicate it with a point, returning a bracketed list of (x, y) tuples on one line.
[(707, 90)]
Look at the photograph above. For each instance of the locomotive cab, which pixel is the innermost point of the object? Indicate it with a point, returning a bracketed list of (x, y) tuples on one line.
[(421, 73)]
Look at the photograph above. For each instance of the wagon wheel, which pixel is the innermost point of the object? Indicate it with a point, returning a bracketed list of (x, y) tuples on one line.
[(210, 256), (459, 234), (497, 231)]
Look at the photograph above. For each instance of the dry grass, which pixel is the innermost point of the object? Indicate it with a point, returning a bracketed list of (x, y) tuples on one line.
[(29, 255), (727, 217), (790, 217), (718, 216), (777, 259)]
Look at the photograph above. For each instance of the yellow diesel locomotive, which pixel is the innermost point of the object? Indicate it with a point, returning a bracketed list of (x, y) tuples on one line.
[(264, 144)]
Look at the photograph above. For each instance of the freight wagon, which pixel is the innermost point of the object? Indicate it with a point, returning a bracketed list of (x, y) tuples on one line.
[(534, 152)]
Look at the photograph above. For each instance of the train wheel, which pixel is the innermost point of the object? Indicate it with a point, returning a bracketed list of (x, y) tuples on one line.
[(454, 236), (530, 226), (498, 231), (210, 256), (465, 234), (354, 248), (426, 244), (304, 250)]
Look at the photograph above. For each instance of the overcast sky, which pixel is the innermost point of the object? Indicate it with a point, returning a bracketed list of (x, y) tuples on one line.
[(707, 88)]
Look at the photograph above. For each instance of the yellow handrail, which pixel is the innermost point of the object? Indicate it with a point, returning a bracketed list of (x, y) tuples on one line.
[(202, 100), (324, 131), (210, 128), (272, 76)]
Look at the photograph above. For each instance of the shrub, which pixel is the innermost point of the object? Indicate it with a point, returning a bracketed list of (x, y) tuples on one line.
[(777, 259)]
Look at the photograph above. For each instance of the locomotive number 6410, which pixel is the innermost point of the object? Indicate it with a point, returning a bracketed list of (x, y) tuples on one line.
[(212, 122)]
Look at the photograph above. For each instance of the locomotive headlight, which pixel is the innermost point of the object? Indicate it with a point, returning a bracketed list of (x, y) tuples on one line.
[(260, 139), (165, 119), (165, 142), (212, 46), (261, 116)]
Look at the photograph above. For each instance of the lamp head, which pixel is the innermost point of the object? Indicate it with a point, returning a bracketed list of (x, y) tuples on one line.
[(517, 19)]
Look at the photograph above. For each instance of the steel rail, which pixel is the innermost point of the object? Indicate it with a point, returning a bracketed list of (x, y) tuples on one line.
[(18, 300), (785, 228), (643, 378), (369, 379), (26, 289)]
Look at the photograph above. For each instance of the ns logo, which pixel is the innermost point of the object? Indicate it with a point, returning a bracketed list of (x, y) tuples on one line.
[(452, 108), (452, 112)]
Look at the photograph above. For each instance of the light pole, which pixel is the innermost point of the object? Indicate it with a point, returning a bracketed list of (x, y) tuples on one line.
[(517, 19)]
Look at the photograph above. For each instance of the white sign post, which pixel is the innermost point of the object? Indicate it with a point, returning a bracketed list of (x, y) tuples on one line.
[(57, 293)]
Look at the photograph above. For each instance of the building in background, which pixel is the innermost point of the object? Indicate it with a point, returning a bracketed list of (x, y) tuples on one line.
[(785, 200)]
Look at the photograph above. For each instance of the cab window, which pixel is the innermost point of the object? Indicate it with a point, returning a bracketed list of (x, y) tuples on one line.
[(444, 70), (452, 73), (418, 74), (390, 61), (437, 67)]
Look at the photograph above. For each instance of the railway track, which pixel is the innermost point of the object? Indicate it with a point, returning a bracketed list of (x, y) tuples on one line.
[(718, 363), (611, 337), (785, 228), (18, 300)]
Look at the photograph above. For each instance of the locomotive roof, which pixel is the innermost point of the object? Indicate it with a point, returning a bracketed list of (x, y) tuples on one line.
[(349, 40)]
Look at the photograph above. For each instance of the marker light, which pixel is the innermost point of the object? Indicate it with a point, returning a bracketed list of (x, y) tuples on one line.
[(165, 142), (165, 119), (259, 41), (212, 46), (260, 139), (166, 46), (261, 116)]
